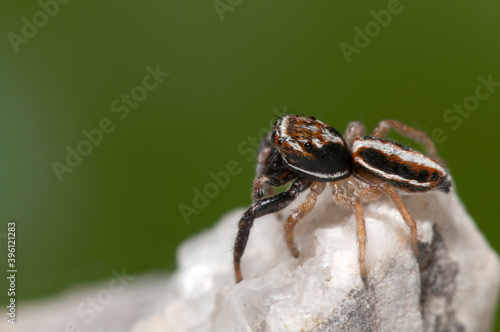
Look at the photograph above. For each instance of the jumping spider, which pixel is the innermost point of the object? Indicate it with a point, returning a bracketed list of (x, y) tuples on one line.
[(310, 154)]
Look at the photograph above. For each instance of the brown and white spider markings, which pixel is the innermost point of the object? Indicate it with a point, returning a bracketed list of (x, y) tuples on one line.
[(311, 154)]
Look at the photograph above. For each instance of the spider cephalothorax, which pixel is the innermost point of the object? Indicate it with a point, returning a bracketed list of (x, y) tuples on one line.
[(311, 154), (311, 148)]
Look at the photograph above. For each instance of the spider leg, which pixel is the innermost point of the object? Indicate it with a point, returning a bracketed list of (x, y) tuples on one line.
[(353, 130), (369, 193), (265, 150), (361, 232), (394, 196), (417, 135), (260, 208), (345, 199), (299, 213)]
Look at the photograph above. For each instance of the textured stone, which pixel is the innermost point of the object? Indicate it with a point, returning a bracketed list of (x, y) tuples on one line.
[(453, 288)]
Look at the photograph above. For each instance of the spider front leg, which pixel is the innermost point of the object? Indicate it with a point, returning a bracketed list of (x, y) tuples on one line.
[(260, 208), (415, 134), (299, 213)]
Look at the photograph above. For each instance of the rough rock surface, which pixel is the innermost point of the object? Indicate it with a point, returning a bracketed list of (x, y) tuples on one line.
[(90, 309), (454, 287)]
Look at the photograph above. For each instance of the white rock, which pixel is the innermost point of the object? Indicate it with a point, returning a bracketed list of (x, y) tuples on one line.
[(90, 308), (454, 288)]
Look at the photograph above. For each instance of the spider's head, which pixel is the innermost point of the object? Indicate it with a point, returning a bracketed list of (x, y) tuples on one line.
[(312, 148)]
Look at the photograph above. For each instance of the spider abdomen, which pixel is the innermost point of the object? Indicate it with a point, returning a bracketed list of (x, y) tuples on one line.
[(404, 168)]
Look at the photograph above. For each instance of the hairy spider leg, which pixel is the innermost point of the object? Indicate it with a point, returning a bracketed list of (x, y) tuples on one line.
[(394, 196), (260, 184), (265, 148), (299, 213), (345, 199), (415, 134), (353, 130), (260, 208), (361, 232)]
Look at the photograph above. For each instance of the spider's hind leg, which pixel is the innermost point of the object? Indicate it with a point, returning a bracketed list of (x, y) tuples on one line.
[(415, 134), (410, 222), (353, 130)]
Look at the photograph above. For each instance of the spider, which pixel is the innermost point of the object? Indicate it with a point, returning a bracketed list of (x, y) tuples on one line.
[(310, 154)]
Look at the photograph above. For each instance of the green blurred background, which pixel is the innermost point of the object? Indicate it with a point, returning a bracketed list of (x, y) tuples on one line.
[(228, 71)]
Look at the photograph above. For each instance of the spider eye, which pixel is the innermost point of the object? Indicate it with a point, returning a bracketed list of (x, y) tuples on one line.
[(308, 146)]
